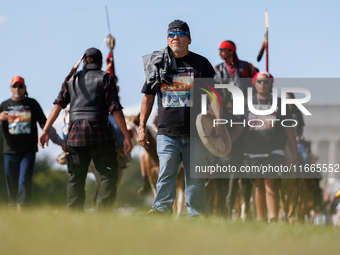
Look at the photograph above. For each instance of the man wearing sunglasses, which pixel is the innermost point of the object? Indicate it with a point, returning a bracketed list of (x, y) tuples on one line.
[(265, 142), (173, 141), (19, 116)]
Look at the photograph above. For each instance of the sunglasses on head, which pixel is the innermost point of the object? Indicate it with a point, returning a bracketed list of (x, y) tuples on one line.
[(264, 81), (180, 34), (19, 86)]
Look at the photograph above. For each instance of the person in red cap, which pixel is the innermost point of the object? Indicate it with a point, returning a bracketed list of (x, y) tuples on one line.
[(19, 116), (264, 140)]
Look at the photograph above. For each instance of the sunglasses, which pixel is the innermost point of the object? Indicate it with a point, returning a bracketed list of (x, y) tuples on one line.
[(180, 34), (223, 49), (19, 86), (264, 81)]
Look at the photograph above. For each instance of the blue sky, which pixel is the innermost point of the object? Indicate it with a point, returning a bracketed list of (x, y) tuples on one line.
[(41, 40)]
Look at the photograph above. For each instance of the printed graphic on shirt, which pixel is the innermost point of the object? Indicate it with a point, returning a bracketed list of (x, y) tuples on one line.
[(262, 122), (19, 121), (180, 93)]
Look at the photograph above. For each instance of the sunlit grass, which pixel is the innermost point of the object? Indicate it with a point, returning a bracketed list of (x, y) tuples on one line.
[(48, 230)]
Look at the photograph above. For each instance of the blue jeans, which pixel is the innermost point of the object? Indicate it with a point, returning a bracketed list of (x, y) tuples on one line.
[(116, 130), (19, 172), (171, 152), (303, 153)]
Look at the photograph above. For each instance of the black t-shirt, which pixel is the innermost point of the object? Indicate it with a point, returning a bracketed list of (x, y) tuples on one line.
[(175, 101), (20, 130), (264, 135)]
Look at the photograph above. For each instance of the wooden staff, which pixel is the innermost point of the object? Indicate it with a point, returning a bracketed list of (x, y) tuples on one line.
[(110, 41), (265, 44), (266, 40)]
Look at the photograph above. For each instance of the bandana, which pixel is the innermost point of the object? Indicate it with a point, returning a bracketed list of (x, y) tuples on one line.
[(228, 45)]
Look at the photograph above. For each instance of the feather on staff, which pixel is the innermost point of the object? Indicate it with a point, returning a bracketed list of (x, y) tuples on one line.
[(259, 57), (74, 68)]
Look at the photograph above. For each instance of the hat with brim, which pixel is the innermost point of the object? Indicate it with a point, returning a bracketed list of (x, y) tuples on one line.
[(92, 59), (267, 74), (18, 79)]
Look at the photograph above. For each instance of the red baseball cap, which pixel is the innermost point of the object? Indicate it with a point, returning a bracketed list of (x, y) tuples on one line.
[(18, 79), (269, 76)]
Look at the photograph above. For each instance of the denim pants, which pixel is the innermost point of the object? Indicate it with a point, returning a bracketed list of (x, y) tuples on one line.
[(19, 172), (303, 153), (171, 152)]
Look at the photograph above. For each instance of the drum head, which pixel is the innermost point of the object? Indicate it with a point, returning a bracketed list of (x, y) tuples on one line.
[(61, 158), (219, 146)]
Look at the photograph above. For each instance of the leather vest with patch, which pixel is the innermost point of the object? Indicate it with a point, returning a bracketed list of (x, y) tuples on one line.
[(87, 95)]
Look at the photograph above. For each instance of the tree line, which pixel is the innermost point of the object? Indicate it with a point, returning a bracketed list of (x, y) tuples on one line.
[(50, 183)]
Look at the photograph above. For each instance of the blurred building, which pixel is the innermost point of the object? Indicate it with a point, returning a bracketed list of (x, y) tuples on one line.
[(322, 129)]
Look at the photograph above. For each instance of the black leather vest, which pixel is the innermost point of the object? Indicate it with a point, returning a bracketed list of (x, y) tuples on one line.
[(224, 75), (87, 95)]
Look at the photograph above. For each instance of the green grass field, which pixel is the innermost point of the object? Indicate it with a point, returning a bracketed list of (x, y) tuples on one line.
[(44, 230)]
